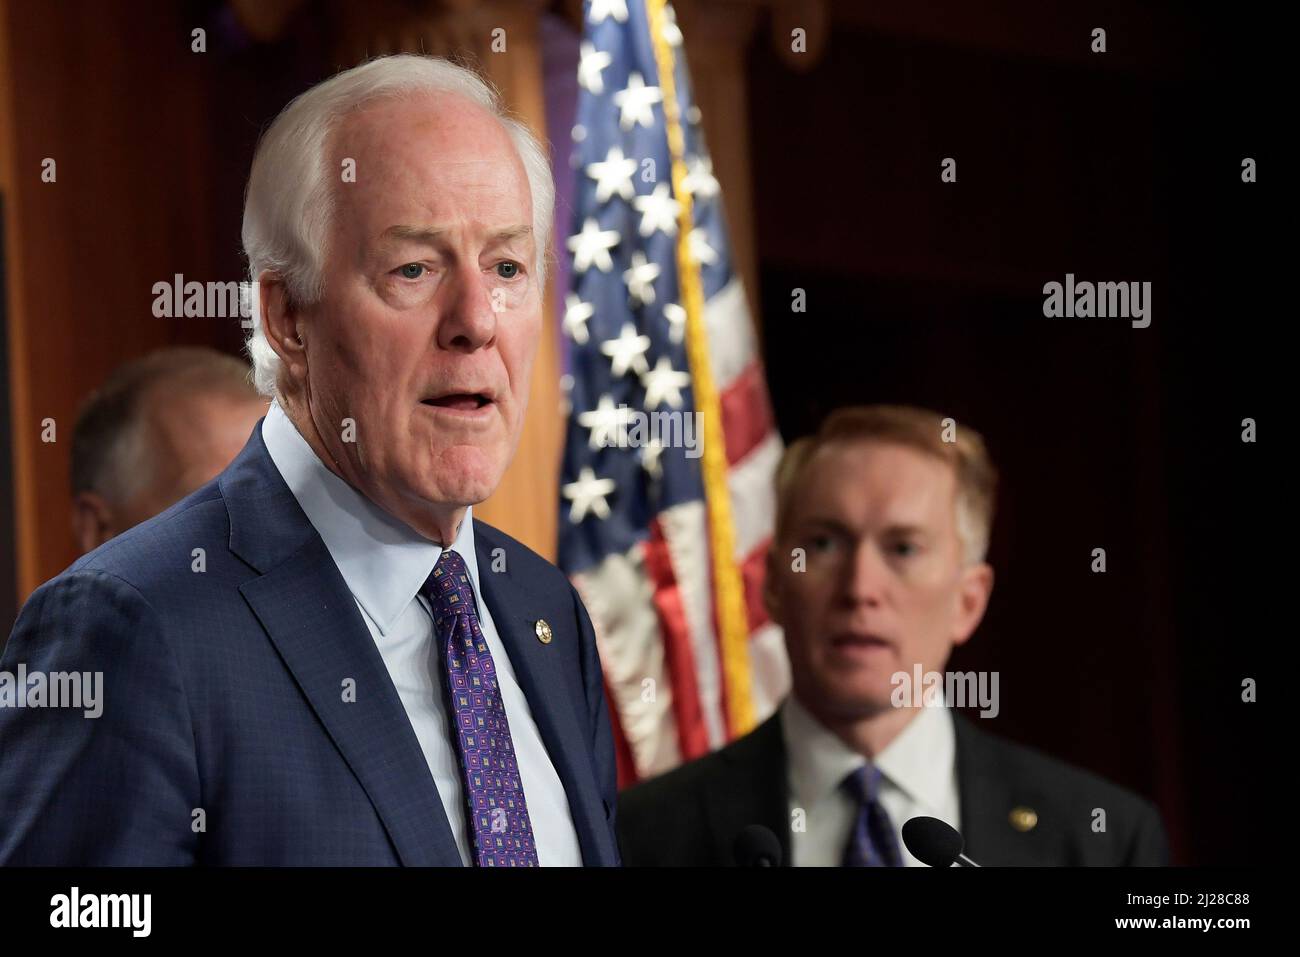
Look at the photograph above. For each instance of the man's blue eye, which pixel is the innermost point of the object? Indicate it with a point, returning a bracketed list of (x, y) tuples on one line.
[(411, 271), (510, 270)]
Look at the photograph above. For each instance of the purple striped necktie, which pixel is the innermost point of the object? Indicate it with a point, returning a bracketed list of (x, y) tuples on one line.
[(494, 794), (872, 842)]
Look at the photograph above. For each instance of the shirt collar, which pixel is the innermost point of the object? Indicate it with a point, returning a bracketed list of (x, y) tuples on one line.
[(382, 559), (919, 761)]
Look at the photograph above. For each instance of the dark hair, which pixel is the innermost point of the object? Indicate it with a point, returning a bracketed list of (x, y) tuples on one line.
[(110, 413)]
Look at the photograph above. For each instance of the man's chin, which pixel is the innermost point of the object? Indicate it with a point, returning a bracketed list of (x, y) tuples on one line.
[(855, 701), (464, 474), (461, 493)]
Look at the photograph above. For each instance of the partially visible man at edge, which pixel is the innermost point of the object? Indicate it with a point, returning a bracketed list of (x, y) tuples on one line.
[(321, 658), (158, 428), (892, 513)]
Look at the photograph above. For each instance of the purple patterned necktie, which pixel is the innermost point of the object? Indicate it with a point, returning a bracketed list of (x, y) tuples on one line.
[(498, 814), (872, 842)]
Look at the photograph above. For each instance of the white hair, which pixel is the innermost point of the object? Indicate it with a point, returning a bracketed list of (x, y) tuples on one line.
[(289, 203)]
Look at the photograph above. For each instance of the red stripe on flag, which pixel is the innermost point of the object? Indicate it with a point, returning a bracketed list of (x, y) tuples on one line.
[(746, 413), (753, 570), (692, 733), (623, 758)]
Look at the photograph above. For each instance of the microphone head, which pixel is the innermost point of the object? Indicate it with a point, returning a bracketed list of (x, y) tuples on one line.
[(756, 846), (931, 841)]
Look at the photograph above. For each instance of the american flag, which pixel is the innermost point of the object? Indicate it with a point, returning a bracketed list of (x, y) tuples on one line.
[(664, 539)]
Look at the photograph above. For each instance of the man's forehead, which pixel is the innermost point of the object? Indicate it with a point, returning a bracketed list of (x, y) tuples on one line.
[(428, 207), (876, 474), (454, 131), (433, 235), (414, 160), (407, 178)]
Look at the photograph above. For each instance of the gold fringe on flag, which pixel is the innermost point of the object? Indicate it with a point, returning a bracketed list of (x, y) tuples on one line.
[(729, 591)]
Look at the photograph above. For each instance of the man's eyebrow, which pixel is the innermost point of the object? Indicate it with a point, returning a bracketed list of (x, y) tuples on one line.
[(835, 525), (821, 521), (905, 528), (431, 236), (413, 233), (512, 233)]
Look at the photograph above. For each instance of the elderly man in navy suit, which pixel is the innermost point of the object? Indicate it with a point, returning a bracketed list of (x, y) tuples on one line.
[(320, 657)]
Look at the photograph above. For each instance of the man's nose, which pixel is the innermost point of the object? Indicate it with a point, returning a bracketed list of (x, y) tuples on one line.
[(469, 316), (867, 575)]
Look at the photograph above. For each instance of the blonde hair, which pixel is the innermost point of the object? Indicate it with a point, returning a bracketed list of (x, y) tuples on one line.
[(919, 429)]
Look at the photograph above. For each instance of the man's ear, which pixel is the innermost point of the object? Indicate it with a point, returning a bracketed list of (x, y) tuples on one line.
[(92, 521), (281, 320), (972, 600)]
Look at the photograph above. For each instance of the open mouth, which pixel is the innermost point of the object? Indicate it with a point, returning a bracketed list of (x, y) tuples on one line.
[(858, 642), (459, 401)]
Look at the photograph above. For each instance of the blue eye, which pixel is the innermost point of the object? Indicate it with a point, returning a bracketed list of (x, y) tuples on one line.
[(511, 270), (411, 271)]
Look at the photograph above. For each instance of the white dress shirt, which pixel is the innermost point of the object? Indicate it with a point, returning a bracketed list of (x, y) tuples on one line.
[(384, 563), (919, 777)]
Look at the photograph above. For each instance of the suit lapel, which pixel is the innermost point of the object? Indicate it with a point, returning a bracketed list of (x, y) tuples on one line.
[(547, 686), (309, 614), (988, 795), (754, 791)]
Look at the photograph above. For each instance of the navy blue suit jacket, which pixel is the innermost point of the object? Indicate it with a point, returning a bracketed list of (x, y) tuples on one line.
[(225, 737)]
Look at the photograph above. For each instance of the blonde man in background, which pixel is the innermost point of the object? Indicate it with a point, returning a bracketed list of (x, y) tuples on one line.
[(876, 574)]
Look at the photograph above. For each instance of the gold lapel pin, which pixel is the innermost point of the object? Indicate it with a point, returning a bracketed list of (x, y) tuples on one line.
[(1024, 819), (543, 631)]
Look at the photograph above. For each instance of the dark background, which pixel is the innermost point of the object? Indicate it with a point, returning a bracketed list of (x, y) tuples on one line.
[(1106, 436)]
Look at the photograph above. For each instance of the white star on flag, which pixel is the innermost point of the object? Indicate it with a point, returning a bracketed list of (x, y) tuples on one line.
[(658, 211), (592, 245), (700, 181), (576, 314), (671, 33), (627, 351), (600, 9), (676, 317), (613, 175), (640, 278), (635, 103), (588, 495), (590, 65), (607, 423), (698, 246), (663, 383)]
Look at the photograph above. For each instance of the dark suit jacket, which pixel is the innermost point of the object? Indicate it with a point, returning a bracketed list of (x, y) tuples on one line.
[(691, 815), (223, 703)]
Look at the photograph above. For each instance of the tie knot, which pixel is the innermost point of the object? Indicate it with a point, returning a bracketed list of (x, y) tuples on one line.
[(448, 587), (449, 563), (864, 783)]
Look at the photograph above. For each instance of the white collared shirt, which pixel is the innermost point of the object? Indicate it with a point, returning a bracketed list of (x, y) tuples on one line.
[(384, 563), (919, 777)]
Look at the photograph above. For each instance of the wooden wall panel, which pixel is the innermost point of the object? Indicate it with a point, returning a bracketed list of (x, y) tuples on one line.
[(116, 106)]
